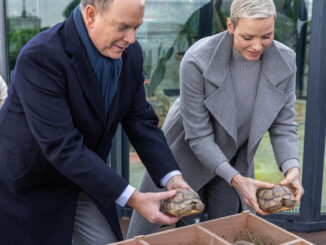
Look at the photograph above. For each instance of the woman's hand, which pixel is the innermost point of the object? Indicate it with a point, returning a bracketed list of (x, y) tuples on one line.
[(247, 188), (177, 181), (292, 180)]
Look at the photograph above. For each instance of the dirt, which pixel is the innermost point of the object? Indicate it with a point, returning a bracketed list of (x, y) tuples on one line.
[(254, 238)]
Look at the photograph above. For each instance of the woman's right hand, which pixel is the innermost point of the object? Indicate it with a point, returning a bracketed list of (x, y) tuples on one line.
[(247, 189)]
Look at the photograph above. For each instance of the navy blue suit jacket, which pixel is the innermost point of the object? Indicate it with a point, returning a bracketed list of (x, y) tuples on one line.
[(55, 137)]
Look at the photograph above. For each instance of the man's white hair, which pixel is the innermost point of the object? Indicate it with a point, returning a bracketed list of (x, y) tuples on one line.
[(101, 5), (251, 9)]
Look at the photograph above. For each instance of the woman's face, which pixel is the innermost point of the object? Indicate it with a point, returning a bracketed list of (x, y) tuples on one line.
[(252, 36)]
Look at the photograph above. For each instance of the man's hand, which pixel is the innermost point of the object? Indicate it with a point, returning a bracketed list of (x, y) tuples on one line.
[(247, 189), (292, 180), (148, 205), (177, 181)]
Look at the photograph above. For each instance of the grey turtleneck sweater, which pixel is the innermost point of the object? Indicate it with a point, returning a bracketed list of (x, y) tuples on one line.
[(245, 77)]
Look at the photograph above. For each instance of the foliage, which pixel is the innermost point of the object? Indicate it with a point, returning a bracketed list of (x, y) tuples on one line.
[(157, 76), (286, 23), (188, 33), (70, 7), (185, 38), (219, 17), (17, 39)]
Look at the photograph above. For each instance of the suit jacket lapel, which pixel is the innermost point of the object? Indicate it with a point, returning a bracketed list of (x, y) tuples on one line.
[(221, 103), (82, 66), (269, 99)]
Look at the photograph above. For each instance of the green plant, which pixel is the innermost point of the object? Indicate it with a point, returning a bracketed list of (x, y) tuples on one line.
[(147, 66), (17, 39), (159, 72), (219, 17), (70, 7), (188, 32), (286, 23)]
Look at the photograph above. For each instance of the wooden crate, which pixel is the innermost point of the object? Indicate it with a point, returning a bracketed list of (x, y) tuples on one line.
[(224, 230)]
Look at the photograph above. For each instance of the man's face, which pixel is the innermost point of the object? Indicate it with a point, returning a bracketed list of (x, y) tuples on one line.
[(115, 29), (252, 36)]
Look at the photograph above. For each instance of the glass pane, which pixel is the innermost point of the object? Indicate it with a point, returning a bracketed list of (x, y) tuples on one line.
[(168, 30), (265, 165), (26, 18), (136, 169), (287, 30)]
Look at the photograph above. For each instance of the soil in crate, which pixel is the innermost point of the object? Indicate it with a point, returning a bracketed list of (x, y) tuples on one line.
[(254, 238)]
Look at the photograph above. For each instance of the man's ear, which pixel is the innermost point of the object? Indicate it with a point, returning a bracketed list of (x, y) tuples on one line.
[(90, 15), (230, 26)]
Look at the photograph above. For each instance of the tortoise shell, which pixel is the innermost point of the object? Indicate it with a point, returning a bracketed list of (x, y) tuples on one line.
[(276, 199), (184, 203)]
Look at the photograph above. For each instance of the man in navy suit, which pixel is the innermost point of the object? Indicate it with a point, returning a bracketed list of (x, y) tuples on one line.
[(71, 87)]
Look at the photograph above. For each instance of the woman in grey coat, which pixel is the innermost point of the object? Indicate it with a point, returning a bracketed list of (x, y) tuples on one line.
[(235, 86)]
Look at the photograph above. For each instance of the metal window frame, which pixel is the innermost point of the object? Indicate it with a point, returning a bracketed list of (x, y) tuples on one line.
[(301, 47), (3, 42), (310, 217)]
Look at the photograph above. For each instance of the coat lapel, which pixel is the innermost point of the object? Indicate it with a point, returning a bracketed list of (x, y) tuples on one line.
[(269, 99), (221, 102), (82, 66)]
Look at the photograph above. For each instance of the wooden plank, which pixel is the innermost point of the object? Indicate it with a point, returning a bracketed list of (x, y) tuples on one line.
[(228, 227), (260, 226), (297, 242), (137, 240), (216, 240), (177, 236), (188, 235), (221, 231), (142, 242)]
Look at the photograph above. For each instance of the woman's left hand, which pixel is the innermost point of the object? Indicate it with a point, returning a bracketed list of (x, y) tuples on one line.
[(247, 189), (292, 180)]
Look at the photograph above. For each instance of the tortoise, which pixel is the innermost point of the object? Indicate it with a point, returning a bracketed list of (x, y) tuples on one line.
[(276, 199), (243, 243), (184, 203)]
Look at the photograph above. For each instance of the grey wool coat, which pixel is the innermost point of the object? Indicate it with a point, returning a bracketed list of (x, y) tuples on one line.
[(201, 126)]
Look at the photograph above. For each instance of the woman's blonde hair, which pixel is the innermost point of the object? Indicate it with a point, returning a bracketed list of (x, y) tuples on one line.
[(252, 9)]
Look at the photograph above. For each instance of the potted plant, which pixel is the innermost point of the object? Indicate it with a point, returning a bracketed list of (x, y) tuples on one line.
[(155, 96)]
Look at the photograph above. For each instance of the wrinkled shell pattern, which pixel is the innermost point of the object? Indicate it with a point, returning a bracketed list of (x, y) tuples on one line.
[(276, 199), (184, 203)]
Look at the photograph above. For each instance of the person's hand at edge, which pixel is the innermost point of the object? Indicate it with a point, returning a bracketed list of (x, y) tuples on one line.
[(292, 180), (247, 189), (148, 205)]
